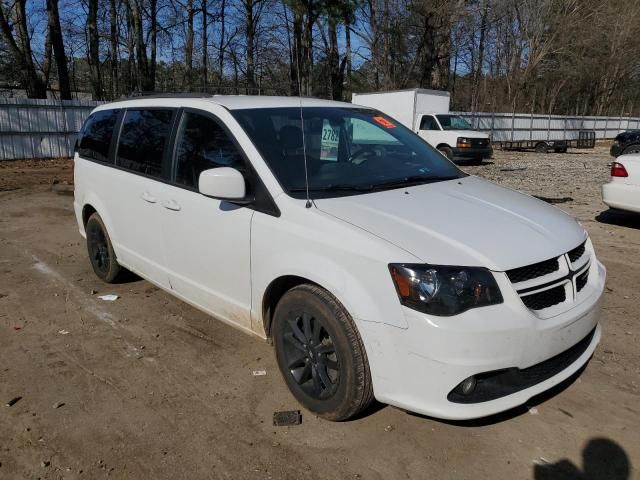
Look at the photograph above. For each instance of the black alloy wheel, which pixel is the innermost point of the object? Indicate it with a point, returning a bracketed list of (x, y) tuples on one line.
[(320, 353), (101, 254), (311, 355)]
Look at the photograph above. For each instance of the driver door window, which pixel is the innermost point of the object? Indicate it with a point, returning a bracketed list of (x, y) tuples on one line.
[(202, 144), (429, 123)]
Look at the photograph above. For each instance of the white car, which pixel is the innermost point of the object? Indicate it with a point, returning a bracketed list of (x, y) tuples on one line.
[(375, 265), (623, 191)]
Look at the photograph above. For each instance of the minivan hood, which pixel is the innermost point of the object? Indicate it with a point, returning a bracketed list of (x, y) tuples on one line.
[(467, 221)]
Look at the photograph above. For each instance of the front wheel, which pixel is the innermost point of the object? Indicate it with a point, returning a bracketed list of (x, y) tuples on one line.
[(446, 151), (320, 354)]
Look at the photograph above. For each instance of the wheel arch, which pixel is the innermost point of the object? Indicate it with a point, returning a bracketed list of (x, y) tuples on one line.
[(91, 204), (274, 293)]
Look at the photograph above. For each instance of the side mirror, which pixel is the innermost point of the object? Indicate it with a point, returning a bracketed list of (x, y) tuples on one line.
[(224, 183)]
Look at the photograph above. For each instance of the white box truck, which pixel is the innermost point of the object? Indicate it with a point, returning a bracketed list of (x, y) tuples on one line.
[(426, 112)]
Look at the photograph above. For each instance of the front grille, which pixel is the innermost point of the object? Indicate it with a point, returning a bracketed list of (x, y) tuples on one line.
[(545, 299), (581, 280), (479, 142), (576, 253), (497, 384), (535, 270)]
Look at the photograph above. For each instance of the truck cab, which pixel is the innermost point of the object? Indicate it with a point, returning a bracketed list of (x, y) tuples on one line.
[(426, 112), (453, 136)]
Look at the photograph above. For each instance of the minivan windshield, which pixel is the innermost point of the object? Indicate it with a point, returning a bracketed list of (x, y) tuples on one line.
[(453, 122), (349, 151)]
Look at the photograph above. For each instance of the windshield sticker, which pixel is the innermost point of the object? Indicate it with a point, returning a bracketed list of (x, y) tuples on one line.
[(384, 122)]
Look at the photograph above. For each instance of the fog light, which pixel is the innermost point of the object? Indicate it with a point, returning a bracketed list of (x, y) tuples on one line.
[(468, 386)]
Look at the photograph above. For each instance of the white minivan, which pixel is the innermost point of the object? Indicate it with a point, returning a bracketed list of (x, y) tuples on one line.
[(376, 267)]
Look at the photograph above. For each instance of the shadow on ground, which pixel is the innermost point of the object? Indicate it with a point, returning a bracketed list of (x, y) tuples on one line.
[(619, 218), (602, 459)]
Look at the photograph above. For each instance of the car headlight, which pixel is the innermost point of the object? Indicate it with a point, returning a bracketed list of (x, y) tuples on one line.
[(463, 142), (444, 290)]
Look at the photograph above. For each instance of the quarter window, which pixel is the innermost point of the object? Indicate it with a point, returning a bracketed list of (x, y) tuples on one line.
[(143, 138), (96, 135), (202, 144)]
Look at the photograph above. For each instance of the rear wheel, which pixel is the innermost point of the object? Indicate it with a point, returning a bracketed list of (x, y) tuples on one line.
[(446, 151), (320, 354), (542, 147), (631, 149), (101, 254)]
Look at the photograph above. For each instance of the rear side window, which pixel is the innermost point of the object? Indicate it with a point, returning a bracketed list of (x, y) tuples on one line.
[(96, 135), (143, 137), (202, 144)]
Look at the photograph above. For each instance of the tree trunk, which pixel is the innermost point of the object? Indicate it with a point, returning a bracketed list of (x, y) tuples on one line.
[(296, 56), (336, 73), (250, 31), (94, 51), (114, 48), (20, 49), (477, 73), (221, 45), (58, 49), (375, 42), (188, 46), (347, 44), (205, 40), (154, 46)]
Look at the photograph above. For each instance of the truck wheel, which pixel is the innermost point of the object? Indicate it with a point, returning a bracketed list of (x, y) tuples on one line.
[(446, 151), (542, 147), (101, 254), (631, 149), (320, 354)]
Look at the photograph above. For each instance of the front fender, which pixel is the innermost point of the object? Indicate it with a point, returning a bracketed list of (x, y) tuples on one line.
[(347, 261)]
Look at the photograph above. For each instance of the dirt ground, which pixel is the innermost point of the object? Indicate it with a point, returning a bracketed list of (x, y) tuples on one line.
[(148, 387)]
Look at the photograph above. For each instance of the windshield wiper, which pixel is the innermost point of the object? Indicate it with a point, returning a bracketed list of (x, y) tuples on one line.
[(411, 180)]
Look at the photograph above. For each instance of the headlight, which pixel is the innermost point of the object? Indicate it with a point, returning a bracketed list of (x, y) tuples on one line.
[(444, 290), (463, 142)]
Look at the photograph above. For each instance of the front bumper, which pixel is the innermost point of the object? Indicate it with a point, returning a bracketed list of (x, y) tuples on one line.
[(416, 369), (472, 153)]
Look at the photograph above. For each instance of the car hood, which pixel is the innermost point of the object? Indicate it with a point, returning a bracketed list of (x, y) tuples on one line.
[(467, 221), (468, 133)]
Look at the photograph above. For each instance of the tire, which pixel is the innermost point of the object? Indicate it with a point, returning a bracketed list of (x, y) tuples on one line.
[(447, 152), (542, 147), (631, 149), (320, 354), (101, 255)]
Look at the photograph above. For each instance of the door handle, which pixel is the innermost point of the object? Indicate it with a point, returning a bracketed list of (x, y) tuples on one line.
[(147, 197), (171, 205)]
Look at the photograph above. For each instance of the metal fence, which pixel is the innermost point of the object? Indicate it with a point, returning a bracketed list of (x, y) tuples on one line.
[(48, 128), (505, 127), (32, 128)]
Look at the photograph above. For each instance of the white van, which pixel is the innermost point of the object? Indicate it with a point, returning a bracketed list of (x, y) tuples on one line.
[(376, 267), (426, 112)]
